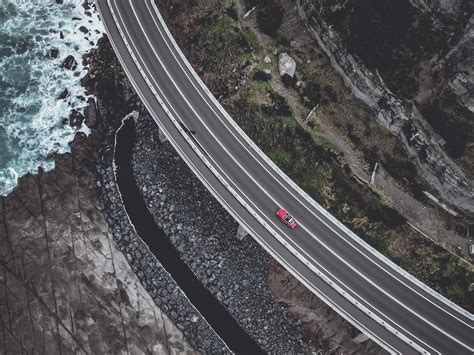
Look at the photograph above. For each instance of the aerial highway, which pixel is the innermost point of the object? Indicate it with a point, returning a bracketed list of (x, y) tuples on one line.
[(380, 299)]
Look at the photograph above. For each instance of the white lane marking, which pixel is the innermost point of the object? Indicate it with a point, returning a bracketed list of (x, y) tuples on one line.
[(271, 221), (317, 272), (291, 193), (236, 216), (278, 203), (180, 152), (249, 229), (329, 302), (238, 163), (308, 198), (233, 158)]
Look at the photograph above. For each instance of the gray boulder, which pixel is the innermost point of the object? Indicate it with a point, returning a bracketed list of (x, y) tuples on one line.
[(286, 65), (69, 63), (91, 113)]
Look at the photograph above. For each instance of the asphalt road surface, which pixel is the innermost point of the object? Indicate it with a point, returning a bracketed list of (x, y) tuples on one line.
[(384, 302)]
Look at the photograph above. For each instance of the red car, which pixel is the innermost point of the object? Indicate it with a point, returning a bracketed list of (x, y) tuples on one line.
[(287, 218)]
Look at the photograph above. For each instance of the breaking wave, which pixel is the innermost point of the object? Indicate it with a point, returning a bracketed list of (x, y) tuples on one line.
[(33, 121)]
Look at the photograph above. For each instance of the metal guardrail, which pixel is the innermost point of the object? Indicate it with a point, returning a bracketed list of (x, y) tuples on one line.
[(250, 210), (296, 187)]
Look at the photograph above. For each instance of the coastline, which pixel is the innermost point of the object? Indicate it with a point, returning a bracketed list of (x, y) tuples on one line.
[(42, 100), (115, 99), (280, 314), (65, 286)]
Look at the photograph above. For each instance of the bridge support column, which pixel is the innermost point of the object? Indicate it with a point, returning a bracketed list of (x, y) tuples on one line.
[(241, 233), (360, 338), (161, 135)]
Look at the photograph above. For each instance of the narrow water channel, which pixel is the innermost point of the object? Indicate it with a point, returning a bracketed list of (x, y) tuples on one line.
[(215, 314)]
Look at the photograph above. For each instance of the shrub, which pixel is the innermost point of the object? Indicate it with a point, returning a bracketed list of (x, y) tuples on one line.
[(269, 16), (260, 75)]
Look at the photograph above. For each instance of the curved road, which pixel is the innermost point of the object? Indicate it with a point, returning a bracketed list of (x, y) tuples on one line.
[(393, 308)]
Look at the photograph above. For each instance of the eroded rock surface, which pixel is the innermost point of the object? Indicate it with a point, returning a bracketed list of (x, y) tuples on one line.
[(440, 173), (315, 317), (64, 285), (460, 64)]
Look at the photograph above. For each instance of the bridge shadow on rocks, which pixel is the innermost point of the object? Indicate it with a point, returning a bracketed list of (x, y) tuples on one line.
[(215, 314)]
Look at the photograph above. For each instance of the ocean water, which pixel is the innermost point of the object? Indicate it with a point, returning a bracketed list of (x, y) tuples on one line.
[(32, 119)]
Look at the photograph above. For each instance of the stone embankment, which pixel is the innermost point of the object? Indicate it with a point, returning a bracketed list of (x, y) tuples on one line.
[(115, 99), (204, 235), (236, 339), (236, 272)]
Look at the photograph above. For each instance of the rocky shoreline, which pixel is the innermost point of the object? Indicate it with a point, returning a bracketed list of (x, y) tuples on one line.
[(65, 286), (206, 241), (278, 312), (108, 83)]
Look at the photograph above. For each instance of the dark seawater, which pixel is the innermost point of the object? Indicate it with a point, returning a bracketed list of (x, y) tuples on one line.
[(215, 314), (32, 119)]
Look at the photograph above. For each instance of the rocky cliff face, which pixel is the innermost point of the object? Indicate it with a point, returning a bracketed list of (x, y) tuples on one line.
[(374, 79), (442, 11), (459, 62)]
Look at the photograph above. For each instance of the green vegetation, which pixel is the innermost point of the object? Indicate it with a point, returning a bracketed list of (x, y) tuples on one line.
[(217, 49), (355, 122), (252, 40), (274, 130), (269, 15)]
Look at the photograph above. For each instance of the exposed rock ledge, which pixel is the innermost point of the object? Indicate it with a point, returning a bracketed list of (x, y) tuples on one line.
[(64, 285), (401, 118), (317, 318), (459, 61)]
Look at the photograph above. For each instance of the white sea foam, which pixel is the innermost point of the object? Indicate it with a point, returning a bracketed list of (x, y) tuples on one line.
[(31, 116)]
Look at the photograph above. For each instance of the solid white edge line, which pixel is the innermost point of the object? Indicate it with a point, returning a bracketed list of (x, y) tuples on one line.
[(271, 222), (304, 194), (114, 168), (311, 211), (249, 229), (277, 203), (340, 311)]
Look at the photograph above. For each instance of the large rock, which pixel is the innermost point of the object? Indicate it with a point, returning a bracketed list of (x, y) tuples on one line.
[(63, 94), (76, 119), (69, 63), (54, 52), (91, 113), (84, 29), (65, 287), (286, 65)]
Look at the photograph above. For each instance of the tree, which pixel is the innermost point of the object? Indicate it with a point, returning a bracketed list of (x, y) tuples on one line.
[(269, 16)]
